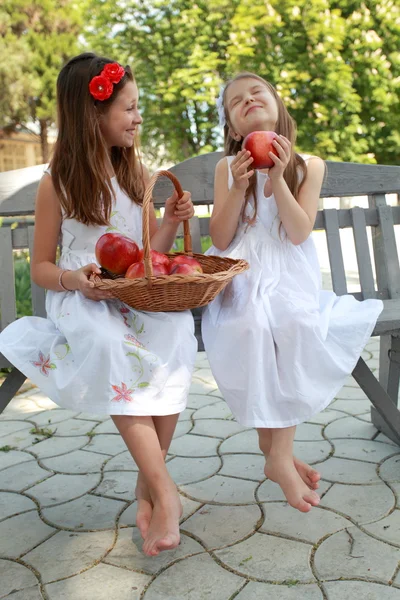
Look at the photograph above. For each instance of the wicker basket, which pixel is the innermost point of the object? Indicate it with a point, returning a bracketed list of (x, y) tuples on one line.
[(172, 292)]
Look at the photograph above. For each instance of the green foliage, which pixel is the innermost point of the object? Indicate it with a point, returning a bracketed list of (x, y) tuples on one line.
[(22, 284)]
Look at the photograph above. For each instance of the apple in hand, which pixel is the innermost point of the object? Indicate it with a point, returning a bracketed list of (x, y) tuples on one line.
[(156, 257), (182, 259), (259, 144), (115, 252)]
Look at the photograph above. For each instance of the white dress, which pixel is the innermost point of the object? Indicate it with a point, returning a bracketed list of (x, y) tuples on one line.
[(104, 357), (279, 346)]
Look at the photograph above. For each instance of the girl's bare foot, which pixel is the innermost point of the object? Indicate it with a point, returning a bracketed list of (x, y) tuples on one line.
[(309, 475), (297, 493), (163, 532), (144, 506)]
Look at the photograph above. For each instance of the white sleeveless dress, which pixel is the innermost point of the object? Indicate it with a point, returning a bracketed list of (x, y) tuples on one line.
[(104, 357), (279, 346)]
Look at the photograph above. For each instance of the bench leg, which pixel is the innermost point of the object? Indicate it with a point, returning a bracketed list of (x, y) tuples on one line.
[(10, 387), (197, 312), (389, 377)]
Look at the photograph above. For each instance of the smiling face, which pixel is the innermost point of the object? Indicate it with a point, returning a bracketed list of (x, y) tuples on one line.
[(250, 106), (120, 123)]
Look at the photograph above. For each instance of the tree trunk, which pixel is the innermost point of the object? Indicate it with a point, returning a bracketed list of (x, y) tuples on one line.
[(44, 141)]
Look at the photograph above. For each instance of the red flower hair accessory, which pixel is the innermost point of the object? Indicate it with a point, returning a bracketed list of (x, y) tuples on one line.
[(101, 86)]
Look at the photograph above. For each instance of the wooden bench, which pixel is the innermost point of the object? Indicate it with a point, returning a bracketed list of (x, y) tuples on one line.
[(17, 190)]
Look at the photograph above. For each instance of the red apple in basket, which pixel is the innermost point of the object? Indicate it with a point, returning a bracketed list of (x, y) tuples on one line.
[(156, 257), (137, 270), (259, 144), (182, 259), (115, 252), (183, 269)]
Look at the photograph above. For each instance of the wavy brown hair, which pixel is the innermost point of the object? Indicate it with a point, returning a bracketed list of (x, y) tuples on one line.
[(285, 126), (79, 165)]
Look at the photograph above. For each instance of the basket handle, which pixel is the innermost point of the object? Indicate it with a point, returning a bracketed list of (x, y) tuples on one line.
[(187, 238)]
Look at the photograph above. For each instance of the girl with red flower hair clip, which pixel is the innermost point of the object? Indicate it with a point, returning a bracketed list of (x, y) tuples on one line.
[(94, 354)]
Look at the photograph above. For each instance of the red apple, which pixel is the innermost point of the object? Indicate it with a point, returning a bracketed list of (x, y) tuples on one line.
[(115, 252), (182, 259), (259, 144), (183, 269), (156, 257), (137, 270)]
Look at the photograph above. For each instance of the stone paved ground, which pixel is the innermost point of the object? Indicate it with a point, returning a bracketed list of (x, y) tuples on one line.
[(67, 508)]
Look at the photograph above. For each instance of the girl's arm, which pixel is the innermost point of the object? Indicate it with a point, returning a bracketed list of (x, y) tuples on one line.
[(228, 203), (297, 216), (44, 271), (162, 238)]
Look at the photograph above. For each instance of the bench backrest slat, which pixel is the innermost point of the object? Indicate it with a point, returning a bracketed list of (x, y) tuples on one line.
[(362, 252), (335, 251), (7, 279), (385, 249)]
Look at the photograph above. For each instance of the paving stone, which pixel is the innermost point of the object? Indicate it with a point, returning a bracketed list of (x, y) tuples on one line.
[(118, 484), (32, 593), (106, 426), (363, 503), (20, 408), (12, 427), (128, 553), (196, 401), (20, 439), (68, 553), (262, 591), (269, 558), (56, 446), (353, 554), (205, 374), (87, 512), (194, 446), (269, 491), (381, 437), (244, 442), (350, 382), (222, 490), (14, 576), (198, 386), (351, 393), (306, 527), (22, 476), (246, 466), (182, 428), (43, 401), (219, 428), (72, 427), (325, 417), (22, 533), (76, 462), (14, 457), (188, 470), (308, 432), (62, 488), (352, 407), (312, 452), (106, 444), (100, 582), (217, 394), (396, 487), (92, 417), (218, 526), (365, 450), (390, 469), (342, 470), (13, 504), (48, 418), (218, 410), (350, 427), (121, 462), (367, 590), (196, 578), (186, 415), (388, 529)]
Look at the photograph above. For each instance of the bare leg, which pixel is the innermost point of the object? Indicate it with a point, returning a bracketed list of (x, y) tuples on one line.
[(279, 467), (309, 475), (140, 436), (165, 427)]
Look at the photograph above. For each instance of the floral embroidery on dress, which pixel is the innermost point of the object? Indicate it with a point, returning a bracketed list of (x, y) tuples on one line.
[(43, 364), (123, 393), (129, 315), (132, 341)]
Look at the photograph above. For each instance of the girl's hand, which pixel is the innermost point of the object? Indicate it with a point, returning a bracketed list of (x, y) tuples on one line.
[(284, 149), (84, 285), (239, 166), (178, 209)]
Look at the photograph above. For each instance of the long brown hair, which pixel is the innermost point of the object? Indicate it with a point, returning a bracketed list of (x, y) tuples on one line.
[(79, 165), (285, 126)]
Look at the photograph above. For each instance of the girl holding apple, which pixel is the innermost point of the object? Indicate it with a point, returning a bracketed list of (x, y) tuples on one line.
[(93, 353), (279, 346)]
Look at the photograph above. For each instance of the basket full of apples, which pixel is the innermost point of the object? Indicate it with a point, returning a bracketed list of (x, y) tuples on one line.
[(151, 281)]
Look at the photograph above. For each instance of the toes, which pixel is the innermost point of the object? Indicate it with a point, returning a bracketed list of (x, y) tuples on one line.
[(303, 506), (312, 498)]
